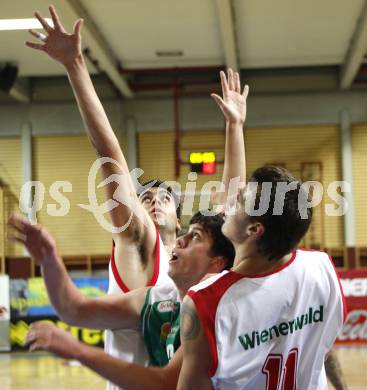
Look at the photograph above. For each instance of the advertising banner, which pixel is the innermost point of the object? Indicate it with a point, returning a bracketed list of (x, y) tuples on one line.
[(29, 303), (20, 325), (354, 284)]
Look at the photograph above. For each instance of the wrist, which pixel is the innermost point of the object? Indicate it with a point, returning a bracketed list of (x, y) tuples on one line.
[(235, 125), (75, 63), (50, 256), (81, 352)]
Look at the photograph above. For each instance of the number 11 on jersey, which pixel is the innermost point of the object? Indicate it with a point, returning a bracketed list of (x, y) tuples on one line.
[(278, 379)]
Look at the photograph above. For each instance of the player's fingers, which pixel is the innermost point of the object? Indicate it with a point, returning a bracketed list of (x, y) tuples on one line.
[(218, 100), (19, 223), (35, 331), (78, 27), (23, 224), (245, 92), (224, 83), (43, 22), (34, 33), (36, 346), (15, 224), (36, 46), (237, 82), (221, 103), (20, 238), (230, 80), (30, 337), (55, 18)]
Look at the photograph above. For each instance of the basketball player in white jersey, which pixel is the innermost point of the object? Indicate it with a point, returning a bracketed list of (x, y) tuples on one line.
[(270, 321), (139, 254)]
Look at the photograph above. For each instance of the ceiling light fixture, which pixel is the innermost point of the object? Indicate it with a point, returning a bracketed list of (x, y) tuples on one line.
[(21, 24), (169, 53)]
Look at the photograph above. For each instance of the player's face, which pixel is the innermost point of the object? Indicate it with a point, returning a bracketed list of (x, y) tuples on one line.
[(161, 207), (191, 259), (236, 219)]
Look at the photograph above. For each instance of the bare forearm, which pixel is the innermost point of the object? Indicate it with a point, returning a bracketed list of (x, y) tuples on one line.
[(191, 379), (63, 294), (104, 142), (334, 371), (234, 160), (126, 375), (91, 109)]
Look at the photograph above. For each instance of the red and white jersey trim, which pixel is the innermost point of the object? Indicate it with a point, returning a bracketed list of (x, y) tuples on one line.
[(155, 276)]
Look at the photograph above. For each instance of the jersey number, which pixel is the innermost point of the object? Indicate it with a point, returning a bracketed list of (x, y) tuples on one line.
[(275, 377)]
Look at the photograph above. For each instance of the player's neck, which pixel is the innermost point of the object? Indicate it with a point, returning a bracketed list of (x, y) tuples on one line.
[(252, 263), (168, 239), (183, 287), (182, 291)]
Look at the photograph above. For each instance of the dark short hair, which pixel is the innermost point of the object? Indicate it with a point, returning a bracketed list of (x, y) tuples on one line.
[(156, 183), (221, 246), (283, 232)]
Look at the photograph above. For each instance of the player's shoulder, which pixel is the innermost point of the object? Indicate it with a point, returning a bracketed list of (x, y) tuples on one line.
[(207, 281), (314, 256), (163, 292), (215, 286), (208, 294), (311, 252)]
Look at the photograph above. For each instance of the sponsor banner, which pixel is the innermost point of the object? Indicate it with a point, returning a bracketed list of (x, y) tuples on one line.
[(19, 328), (29, 303), (354, 284), (29, 297)]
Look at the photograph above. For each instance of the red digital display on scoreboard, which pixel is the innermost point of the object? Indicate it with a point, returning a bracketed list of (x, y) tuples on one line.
[(209, 168)]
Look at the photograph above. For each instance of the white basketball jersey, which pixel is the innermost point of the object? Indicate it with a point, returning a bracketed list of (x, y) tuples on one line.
[(272, 331), (128, 344)]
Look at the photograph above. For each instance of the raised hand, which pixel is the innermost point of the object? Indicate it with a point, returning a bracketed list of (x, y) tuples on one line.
[(46, 337), (233, 103), (58, 44), (38, 241)]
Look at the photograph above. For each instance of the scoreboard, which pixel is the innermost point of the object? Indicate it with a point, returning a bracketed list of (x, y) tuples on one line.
[(203, 162)]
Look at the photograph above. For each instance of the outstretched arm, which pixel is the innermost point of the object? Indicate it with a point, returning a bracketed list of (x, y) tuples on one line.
[(234, 108), (129, 376), (109, 312), (195, 347), (65, 48)]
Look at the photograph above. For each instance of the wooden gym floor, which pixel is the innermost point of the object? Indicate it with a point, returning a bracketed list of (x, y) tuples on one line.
[(21, 371)]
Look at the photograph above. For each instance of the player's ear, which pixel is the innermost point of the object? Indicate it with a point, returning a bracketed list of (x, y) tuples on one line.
[(219, 263), (255, 229)]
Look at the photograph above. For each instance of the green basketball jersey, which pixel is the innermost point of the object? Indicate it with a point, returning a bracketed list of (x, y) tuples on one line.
[(160, 323)]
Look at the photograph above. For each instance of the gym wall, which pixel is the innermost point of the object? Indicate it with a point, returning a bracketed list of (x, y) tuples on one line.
[(359, 146), (263, 146), (11, 175)]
